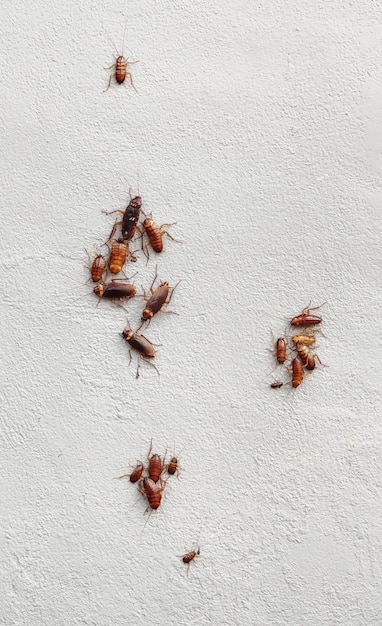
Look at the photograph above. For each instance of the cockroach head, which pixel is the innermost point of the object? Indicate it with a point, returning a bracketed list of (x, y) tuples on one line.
[(136, 202), (127, 334), (147, 315), (98, 290)]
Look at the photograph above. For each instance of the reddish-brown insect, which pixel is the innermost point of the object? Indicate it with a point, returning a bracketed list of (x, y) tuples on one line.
[(306, 357), (158, 299), (173, 466), (141, 345), (152, 492), (135, 474), (190, 556), (281, 350), (129, 222), (305, 318), (297, 372), (155, 235), (276, 384), (118, 255), (97, 268), (307, 340), (156, 466), (121, 65), (115, 290)]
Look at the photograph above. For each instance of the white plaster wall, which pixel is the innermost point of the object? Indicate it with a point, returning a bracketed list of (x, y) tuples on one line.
[(258, 127)]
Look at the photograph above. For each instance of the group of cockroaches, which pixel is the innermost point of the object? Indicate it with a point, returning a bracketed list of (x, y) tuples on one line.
[(117, 289), (152, 480), (301, 347)]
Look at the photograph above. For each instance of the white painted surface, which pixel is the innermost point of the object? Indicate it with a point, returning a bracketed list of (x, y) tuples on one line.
[(257, 126)]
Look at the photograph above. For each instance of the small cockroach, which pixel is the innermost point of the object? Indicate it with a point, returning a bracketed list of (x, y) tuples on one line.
[(276, 384), (115, 290), (135, 474), (156, 466), (118, 255), (306, 357), (297, 372), (155, 235), (141, 345), (129, 222), (120, 65), (281, 350), (173, 466), (189, 557), (305, 318), (130, 218), (152, 492), (97, 268), (307, 340), (159, 297)]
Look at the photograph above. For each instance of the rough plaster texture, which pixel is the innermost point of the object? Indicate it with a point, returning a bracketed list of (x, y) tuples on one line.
[(257, 126)]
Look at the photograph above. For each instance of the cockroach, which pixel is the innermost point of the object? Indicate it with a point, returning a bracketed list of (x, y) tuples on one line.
[(158, 299), (190, 556), (130, 218), (155, 235), (121, 65), (173, 466), (297, 372), (281, 350), (156, 466), (152, 492), (115, 290), (276, 384), (118, 255), (306, 357), (129, 222), (306, 340), (305, 318), (135, 474), (97, 268), (142, 345)]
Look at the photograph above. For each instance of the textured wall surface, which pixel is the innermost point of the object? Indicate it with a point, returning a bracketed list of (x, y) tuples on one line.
[(257, 126)]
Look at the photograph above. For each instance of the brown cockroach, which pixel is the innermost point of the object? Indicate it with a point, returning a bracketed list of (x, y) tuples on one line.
[(121, 65), (115, 290), (152, 492), (173, 466), (129, 222), (281, 347), (97, 268), (135, 474), (276, 384), (156, 466), (118, 255), (306, 340), (189, 557), (305, 318), (159, 297), (306, 357), (155, 235), (297, 372), (141, 345)]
